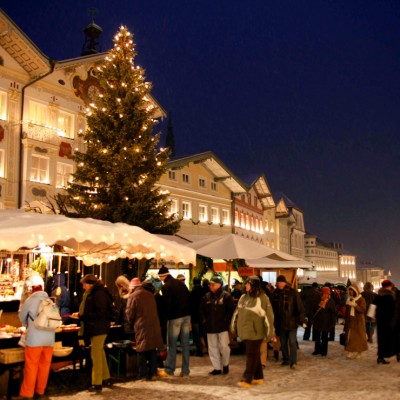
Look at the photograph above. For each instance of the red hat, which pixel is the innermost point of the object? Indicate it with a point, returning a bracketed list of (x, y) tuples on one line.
[(135, 282), (387, 283)]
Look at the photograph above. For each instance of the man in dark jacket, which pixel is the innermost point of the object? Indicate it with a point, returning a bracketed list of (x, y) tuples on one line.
[(196, 296), (176, 302), (216, 312), (288, 312), (95, 314), (311, 298), (369, 297)]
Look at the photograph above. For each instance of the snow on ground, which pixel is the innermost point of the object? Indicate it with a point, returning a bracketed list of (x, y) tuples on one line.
[(317, 378)]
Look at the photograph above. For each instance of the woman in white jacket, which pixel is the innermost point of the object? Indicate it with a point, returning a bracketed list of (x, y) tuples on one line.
[(38, 343)]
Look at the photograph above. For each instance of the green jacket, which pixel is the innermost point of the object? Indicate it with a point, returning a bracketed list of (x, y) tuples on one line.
[(255, 318)]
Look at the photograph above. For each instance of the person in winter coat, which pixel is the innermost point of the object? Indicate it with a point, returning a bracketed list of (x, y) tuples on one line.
[(141, 311), (354, 326), (95, 314), (369, 296), (196, 297), (323, 320), (253, 322), (39, 343), (216, 310), (311, 298), (124, 290), (385, 303), (176, 305), (289, 313)]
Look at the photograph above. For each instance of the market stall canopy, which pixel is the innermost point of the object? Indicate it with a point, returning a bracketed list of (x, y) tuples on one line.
[(321, 280), (93, 241), (230, 247), (269, 263)]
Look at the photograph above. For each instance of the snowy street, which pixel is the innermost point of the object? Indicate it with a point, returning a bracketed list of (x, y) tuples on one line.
[(330, 378)]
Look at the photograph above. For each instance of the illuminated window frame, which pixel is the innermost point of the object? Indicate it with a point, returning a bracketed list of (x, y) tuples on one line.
[(40, 171), (64, 174)]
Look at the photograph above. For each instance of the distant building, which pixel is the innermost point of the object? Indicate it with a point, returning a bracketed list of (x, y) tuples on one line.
[(367, 271), (289, 226), (201, 189), (254, 213)]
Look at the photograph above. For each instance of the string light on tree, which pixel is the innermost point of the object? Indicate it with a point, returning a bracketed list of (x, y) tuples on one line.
[(116, 177)]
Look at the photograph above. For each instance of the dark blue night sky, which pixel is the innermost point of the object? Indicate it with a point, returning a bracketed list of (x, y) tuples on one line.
[(306, 92)]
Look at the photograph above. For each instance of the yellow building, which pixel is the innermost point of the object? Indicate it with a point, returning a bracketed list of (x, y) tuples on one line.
[(201, 189)]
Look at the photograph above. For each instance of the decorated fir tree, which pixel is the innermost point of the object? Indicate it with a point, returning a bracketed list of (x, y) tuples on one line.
[(115, 178)]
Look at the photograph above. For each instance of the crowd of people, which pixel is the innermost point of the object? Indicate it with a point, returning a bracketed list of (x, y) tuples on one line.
[(160, 312)]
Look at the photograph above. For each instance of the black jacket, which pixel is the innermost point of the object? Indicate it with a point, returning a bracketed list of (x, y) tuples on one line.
[(196, 296), (98, 311), (175, 298), (288, 309), (324, 319), (216, 311)]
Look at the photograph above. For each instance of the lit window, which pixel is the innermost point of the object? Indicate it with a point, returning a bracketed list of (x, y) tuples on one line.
[(64, 175), (215, 215), (172, 175), (65, 124), (40, 169), (173, 207), (186, 210), (203, 213), (185, 178), (225, 217), (214, 186), (3, 106), (242, 222), (237, 220), (202, 183), (38, 113)]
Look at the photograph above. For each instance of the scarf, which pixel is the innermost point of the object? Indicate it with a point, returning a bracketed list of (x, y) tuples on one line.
[(324, 300), (82, 310), (352, 305)]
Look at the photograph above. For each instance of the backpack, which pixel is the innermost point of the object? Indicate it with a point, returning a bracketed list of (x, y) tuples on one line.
[(48, 318)]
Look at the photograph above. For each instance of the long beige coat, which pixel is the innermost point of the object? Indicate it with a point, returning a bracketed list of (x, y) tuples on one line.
[(354, 327)]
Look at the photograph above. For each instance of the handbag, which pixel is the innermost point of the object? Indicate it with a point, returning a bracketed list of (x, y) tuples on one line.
[(342, 338), (371, 313)]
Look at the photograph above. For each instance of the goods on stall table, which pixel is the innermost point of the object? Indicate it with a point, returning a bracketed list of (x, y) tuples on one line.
[(6, 285)]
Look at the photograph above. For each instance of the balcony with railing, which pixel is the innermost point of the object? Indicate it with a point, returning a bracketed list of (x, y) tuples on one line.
[(45, 134)]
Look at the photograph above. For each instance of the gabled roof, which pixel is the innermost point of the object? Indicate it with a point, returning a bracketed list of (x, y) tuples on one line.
[(216, 167), (21, 48), (263, 192), (289, 203)]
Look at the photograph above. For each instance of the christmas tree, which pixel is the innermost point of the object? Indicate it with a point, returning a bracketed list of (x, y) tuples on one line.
[(115, 178)]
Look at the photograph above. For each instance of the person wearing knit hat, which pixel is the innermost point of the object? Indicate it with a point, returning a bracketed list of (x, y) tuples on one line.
[(253, 322), (95, 313), (323, 321), (385, 303), (39, 343), (135, 282), (289, 313), (216, 310), (163, 271), (281, 278), (181, 277), (354, 326), (175, 295)]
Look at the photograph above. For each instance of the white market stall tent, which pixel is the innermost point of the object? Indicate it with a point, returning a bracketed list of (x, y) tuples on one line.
[(92, 241), (231, 247)]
